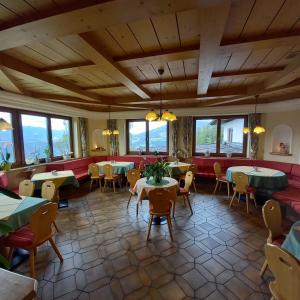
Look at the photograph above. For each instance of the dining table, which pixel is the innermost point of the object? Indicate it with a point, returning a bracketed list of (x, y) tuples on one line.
[(292, 240), (16, 213), (119, 167), (260, 178), (177, 168), (59, 178), (143, 186)]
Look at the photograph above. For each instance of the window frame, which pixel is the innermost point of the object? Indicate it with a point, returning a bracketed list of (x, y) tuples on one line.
[(218, 140), (18, 133), (147, 152)]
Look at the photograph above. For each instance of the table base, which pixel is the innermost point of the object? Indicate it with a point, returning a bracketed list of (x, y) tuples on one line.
[(156, 220), (19, 256)]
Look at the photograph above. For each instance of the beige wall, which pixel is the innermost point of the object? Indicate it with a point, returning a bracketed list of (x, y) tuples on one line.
[(270, 120)]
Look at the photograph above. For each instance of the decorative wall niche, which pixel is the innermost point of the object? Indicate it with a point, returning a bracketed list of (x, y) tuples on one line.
[(282, 139), (98, 141)]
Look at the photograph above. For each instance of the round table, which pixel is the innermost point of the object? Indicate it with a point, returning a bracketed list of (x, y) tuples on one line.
[(264, 178), (143, 187), (292, 240)]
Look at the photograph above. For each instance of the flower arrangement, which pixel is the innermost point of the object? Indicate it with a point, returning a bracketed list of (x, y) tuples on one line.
[(157, 171)]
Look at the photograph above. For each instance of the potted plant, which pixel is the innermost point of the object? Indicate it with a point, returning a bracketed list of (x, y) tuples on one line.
[(157, 171), (5, 157), (47, 152)]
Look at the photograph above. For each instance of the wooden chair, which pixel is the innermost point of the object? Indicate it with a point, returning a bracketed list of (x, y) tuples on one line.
[(96, 177), (31, 236), (184, 192), (26, 188), (273, 221), (109, 176), (241, 181), (133, 176), (49, 192), (142, 167), (194, 169), (220, 178), (160, 204), (286, 270)]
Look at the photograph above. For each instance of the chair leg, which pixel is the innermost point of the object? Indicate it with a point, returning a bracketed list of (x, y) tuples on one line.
[(170, 227), (114, 186), (10, 253), (149, 226), (254, 200), (216, 187), (239, 198), (91, 185), (137, 208), (129, 200), (247, 203), (220, 186), (100, 184), (174, 205), (194, 185), (234, 194), (31, 262), (228, 189), (263, 268), (55, 225), (56, 250), (189, 203)]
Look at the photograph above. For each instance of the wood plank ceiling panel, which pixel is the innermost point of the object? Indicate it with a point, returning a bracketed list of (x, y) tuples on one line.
[(145, 35), (255, 58), (237, 59), (167, 31), (191, 66), (7, 15), (148, 71), (19, 7), (42, 5), (124, 37), (262, 15), (188, 27), (167, 72)]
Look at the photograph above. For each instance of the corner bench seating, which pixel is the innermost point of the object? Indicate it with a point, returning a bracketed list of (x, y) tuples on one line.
[(289, 196)]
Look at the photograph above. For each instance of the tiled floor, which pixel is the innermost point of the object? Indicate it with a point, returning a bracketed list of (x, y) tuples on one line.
[(217, 252)]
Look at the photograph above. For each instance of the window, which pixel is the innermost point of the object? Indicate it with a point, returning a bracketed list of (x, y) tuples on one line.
[(60, 133), (147, 137), (220, 135), (6, 139), (35, 137)]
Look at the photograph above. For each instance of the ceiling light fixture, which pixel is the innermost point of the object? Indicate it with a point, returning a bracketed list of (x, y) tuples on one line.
[(108, 131)]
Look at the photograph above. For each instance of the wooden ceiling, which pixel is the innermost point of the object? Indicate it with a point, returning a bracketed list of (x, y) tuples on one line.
[(95, 54)]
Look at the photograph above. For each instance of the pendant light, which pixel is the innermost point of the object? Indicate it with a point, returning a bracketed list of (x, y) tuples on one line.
[(162, 116), (4, 125), (108, 131), (258, 128)]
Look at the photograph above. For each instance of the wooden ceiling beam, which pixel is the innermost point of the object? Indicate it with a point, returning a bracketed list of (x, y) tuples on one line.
[(70, 67), (9, 83), (212, 24), (84, 44), (21, 67), (83, 16)]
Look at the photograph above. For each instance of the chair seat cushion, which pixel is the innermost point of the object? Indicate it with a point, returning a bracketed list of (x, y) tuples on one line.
[(113, 177), (251, 190), (222, 178), (22, 237), (279, 240), (182, 191)]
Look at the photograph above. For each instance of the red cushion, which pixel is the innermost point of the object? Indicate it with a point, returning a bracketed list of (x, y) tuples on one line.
[(22, 237), (182, 191), (251, 190), (3, 180), (205, 174), (81, 176), (295, 170), (294, 183), (279, 240), (289, 195), (284, 167), (296, 206)]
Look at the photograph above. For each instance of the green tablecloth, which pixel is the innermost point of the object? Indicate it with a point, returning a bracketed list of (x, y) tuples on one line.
[(292, 240), (179, 168), (263, 178), (119, 167), (22, 212), (59, 178)]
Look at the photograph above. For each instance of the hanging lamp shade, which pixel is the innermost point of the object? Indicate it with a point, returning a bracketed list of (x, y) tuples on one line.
[(4, 125), (151, 116), (259, 130), (116, 132), (166, 116), (172, 117), (106, 132), (246, 130)]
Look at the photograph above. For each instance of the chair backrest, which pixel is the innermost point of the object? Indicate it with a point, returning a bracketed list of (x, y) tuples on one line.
[(41, 222), (193, 168), (286, 270), (142, 166), (26, 188), (171, 158), (273, 220), (133, 176), (160, 201), (241, 181), (217, 169), (49, 190), (188, 180), (108, 170), (94, 170), (188, 160)]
